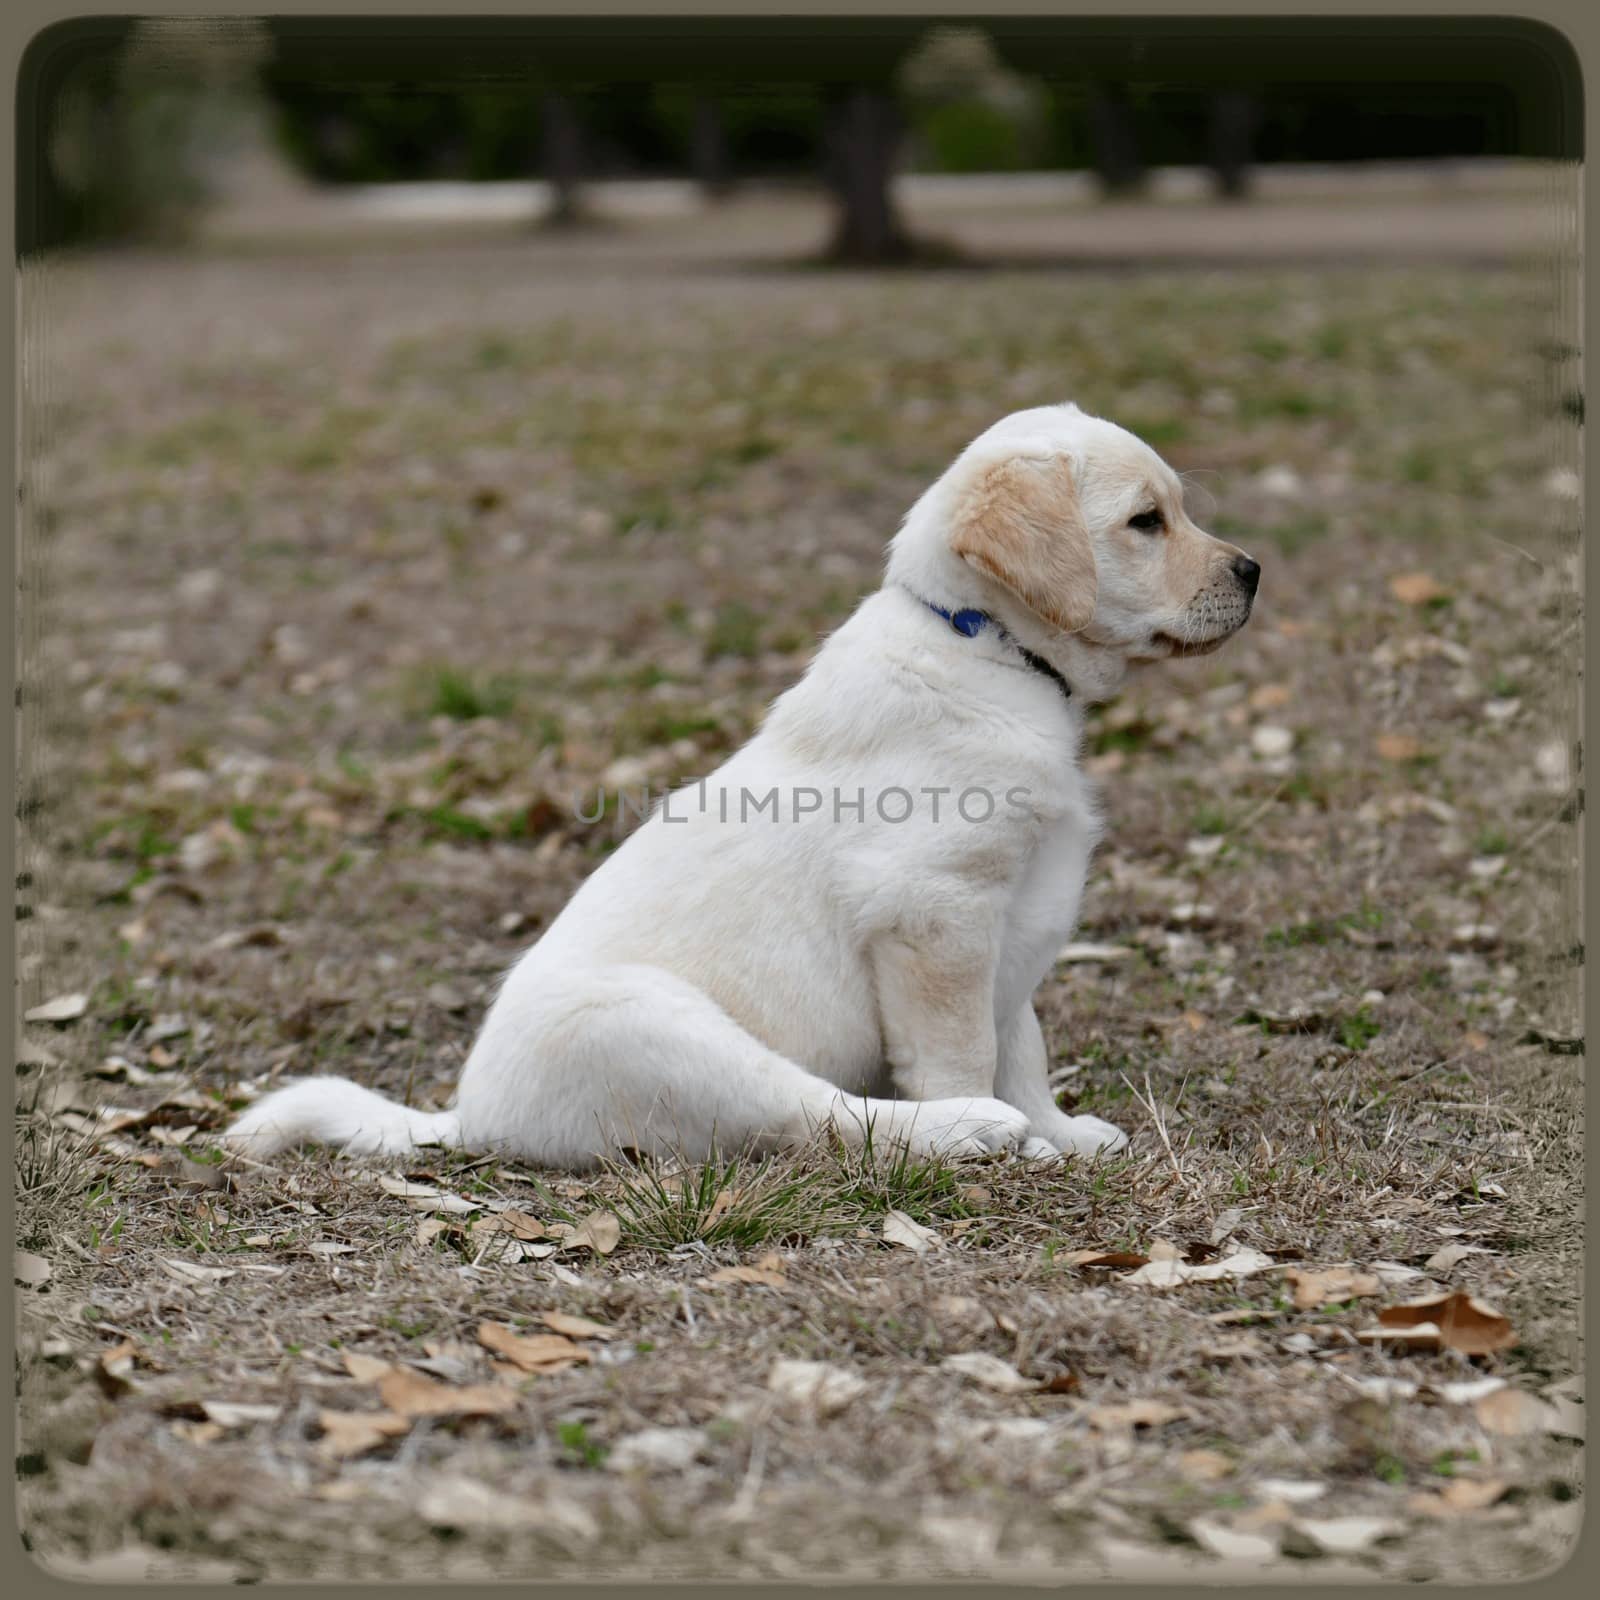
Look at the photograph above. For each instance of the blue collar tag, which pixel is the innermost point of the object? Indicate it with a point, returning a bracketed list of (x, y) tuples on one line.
[(969, 624)]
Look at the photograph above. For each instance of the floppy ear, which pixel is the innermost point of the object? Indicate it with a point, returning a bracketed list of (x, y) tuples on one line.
[(1021, 524)]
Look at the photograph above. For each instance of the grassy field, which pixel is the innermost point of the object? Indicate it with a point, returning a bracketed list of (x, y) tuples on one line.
[(347, 575)]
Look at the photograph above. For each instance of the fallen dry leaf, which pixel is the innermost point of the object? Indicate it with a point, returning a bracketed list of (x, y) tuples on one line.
[(1270, 697), (520, 1224), (1270, 741), (990, 1371), (575, 1327), (1443, 1322), (450, 1359), (758, 1275), (193, 1273), (411, 1394), (1441, 1261), (353, 1433), (816, 1385), (1236, 1347), (63, 1008), (1120, 1260), (599, 1232), (1061, 1383), (342, 1491), (403, 1190), (1416, 588), (1460, 1497), (1244, 1314), (235, 1414), (656, 1450), (962, 1311), (1135, 1414), (538, 1352), (1235, 1544), (455, 1501), (1345, 1536), (1204, 1466), (1169, 1274), (1078, 953), (1390, 1273), (198, 1433), (1513, 1413), (1288, 1491), (902, 1230), (365, 1369), (1466, 1391), (114, 1370), (1318, 1288), (1398, 746), (1269, 1513), (31, 1271)]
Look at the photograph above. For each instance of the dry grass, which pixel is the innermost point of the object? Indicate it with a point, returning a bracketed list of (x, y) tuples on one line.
[(299, 815)]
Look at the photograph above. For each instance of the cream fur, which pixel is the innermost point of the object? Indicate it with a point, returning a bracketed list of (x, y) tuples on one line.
[(727, 984)]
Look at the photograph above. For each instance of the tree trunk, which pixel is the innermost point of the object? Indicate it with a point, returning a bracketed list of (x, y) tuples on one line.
[(563, 160), (1232, 134), (1114, 140), (708, 150), (863, 134)]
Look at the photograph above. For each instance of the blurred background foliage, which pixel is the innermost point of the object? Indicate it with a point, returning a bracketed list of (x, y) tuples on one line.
[(133, 118), (134, 133)]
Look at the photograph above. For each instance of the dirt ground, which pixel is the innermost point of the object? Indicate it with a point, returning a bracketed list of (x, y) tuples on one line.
[(349, 574)]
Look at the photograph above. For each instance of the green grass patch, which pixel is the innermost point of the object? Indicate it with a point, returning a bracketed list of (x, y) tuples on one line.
[(451, 692), (748, 1202), (1358, 1030), (735, 631), (578, 1448), (652, 723), (444, 822), (1158, 432)]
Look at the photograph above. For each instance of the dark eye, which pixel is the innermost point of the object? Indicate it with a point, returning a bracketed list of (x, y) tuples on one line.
[(1147, 521)]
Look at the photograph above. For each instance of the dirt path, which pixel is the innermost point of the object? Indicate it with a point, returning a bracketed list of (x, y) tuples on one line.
[(354, 570)]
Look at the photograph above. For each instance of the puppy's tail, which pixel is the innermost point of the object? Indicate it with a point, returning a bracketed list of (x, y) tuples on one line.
[(335, 1111)]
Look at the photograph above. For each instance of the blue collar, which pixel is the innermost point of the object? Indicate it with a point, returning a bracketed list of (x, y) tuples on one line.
[(969, 623)]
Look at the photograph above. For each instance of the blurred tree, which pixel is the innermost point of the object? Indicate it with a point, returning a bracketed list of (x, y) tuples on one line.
[(562, 159), (137, 132), (1114, 139), (863, 132), (708, 149), (969, 111), (1232, 129)]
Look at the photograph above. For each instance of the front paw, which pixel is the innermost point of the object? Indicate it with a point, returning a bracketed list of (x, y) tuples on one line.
[(954, 1127), (1075, 1136), (1034, 1148), (1089, 1136)]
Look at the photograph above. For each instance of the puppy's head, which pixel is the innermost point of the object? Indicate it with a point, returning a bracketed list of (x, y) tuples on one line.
[(1085, 525)]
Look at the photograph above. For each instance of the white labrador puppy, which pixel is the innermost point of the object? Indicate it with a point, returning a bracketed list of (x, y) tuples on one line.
[(844, 924)]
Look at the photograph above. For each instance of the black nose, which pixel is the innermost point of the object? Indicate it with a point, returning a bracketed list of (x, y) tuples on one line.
[(1248, 572)]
